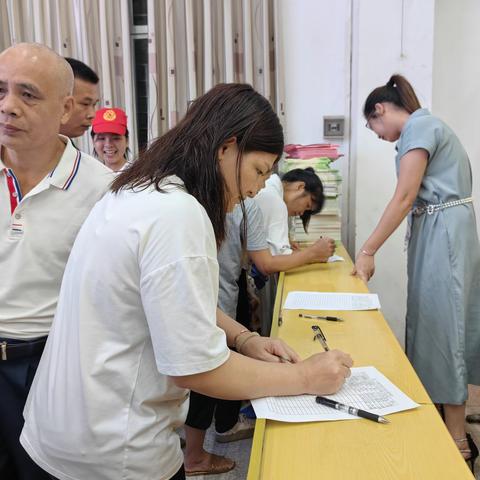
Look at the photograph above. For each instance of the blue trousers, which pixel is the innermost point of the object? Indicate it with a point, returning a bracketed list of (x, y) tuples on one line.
[(16, 377)]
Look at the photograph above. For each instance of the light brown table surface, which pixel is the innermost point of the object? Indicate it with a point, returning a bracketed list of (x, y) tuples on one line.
[(414, 446)]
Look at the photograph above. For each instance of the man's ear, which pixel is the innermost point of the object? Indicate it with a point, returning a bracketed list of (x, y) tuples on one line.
[(67, 109)]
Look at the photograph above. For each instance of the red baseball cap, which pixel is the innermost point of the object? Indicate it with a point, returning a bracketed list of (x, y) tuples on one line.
[(110, 120)]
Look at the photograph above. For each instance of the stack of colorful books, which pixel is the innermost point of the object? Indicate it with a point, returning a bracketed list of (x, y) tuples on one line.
[(328, 222)]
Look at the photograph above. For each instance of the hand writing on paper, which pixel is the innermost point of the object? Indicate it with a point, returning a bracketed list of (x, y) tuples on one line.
[(323, 249), (326, 372), (364, 267), (269, 350)]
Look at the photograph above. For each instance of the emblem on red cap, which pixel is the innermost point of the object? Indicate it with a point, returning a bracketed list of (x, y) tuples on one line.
[(109, 116)]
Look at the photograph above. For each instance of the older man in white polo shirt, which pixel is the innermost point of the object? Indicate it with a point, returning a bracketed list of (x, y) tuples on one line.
[(47, 188)]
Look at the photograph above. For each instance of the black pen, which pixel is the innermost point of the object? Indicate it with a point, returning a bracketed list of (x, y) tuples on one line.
[(351, 410), (320, 317)]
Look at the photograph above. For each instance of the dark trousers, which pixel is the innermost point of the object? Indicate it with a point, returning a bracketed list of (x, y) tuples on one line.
[(16, 377), (202, 408), (180, 475)]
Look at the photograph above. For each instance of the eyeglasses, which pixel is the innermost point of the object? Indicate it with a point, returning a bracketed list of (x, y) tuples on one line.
[(370, 117)]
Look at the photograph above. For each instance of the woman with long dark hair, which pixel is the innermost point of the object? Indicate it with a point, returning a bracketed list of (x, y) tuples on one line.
[(443, 307), (137, 324)]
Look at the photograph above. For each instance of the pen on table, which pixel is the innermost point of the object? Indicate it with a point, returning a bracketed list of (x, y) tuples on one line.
[(320, 336), (320, 317), (328, 402)]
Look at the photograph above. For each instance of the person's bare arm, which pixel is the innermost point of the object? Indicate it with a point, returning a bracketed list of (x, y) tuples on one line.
[(412, 169), (230, 326), (268, 263), (241, 377), (261, 348)]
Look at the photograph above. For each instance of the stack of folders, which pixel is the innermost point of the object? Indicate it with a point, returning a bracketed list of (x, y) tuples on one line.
[(319, 157)]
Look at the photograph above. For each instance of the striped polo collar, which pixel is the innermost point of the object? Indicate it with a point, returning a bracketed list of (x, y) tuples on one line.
[(63, 175)]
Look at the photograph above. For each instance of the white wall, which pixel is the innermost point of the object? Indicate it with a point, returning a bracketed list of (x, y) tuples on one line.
[(386, 39), (332, 55), (456, 77), (314, 61)]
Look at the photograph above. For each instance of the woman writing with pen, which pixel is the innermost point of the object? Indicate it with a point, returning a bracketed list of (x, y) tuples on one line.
[(443, 308), (137, 323), (298, 192), (245, 237)]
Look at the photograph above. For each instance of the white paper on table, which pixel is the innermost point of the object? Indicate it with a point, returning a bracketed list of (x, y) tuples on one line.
[(331, 301), (366, 389), (335, 258)]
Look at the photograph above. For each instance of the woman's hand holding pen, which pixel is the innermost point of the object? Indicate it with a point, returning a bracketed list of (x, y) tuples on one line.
[(322, 249), (364, 266), (325, 373), (269, 350)]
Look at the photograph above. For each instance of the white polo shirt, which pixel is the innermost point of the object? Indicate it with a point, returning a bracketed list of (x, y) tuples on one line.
[(275, 215), (137, 306), (36, 234)]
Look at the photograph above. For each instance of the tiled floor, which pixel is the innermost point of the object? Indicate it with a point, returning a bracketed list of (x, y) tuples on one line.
[(240, 451)]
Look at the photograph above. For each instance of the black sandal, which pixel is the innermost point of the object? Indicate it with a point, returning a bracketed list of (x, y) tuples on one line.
[(471, 451)]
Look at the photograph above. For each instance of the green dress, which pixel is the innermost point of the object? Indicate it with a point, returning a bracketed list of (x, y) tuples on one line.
[(443, 305)]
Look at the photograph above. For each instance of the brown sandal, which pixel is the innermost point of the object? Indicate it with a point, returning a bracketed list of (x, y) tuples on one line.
[(217, 465)]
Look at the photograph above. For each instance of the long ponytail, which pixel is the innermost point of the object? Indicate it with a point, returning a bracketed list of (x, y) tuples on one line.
[(398, 91)]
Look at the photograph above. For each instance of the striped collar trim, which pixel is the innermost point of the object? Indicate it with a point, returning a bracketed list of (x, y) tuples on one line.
[(63, 175), (12, 183)]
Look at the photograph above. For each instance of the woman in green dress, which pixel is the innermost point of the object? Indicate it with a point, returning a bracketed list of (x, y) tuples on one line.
[(434, 189)]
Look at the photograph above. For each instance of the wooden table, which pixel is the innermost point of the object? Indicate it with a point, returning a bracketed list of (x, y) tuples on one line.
[(415, 445)]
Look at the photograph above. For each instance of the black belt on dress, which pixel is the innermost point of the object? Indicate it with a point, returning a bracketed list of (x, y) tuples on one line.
[(23, 349)]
